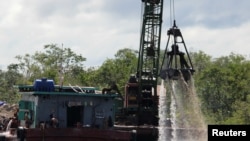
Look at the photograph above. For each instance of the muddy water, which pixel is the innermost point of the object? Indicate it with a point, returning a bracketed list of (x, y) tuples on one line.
[(179, 110)]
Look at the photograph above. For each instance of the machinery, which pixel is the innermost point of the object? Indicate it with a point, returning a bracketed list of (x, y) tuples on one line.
[(141, 99), (174, 63)]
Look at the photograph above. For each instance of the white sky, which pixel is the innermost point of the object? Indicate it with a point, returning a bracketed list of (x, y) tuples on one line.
[(97, 29)]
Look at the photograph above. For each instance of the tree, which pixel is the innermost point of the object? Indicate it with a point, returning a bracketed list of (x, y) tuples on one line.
[(119, 69), (200, 61), (241, 113), (221, 84), (8, 79), (55, 63)]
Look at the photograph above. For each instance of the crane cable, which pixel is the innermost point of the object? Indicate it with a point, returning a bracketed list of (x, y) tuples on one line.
[(172, 15), (172, 11)]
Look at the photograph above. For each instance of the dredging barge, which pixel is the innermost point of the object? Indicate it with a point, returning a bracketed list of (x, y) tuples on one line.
[(60, 113)]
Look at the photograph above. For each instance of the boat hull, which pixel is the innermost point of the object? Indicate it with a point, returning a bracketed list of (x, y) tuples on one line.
[(76, 134)]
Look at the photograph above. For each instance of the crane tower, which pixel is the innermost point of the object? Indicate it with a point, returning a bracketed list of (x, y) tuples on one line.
[(141, 97)]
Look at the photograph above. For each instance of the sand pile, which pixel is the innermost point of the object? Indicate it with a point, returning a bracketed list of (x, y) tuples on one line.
[(8, 110)]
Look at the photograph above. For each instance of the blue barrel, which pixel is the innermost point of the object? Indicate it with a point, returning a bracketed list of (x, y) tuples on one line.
[(44, 85)]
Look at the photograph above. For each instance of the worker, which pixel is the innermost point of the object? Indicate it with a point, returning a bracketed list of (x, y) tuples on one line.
[(53, 121), (14, 123), (27, 119), (113, 86)]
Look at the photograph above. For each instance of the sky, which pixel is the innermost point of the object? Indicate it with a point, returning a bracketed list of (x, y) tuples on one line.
[(97, 29)]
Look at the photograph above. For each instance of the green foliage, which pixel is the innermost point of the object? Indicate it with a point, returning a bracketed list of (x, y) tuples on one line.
[(221, 84), (118, 70), (54, 63), (241, 113), (7, 79)]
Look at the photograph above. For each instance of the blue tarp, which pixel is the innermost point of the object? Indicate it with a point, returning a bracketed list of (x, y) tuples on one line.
[(2, 103)]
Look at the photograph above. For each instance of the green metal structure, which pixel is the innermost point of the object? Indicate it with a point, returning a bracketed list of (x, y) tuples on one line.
[(149, 52), (144, 84)]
